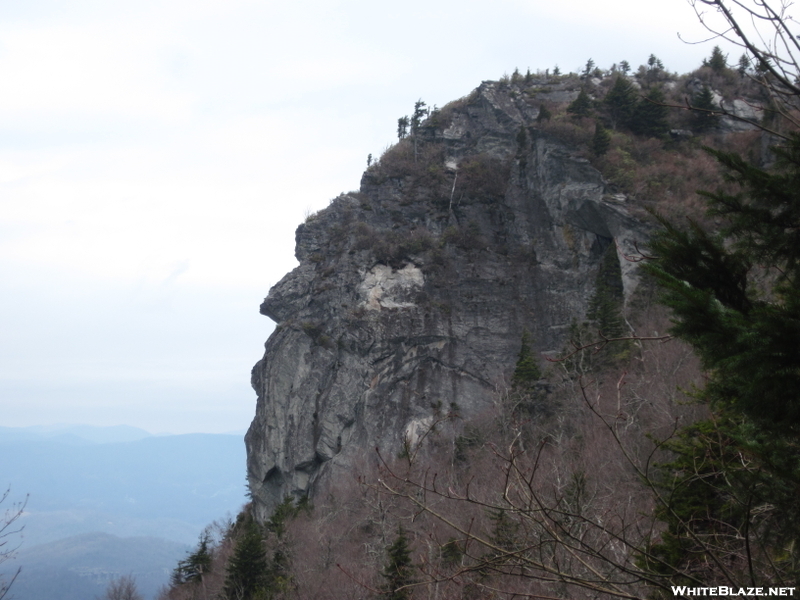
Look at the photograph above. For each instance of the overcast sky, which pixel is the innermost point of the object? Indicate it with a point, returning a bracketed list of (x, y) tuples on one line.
[(156, 157)]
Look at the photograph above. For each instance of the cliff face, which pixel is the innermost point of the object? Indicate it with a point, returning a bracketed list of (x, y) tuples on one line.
[(412, 294)]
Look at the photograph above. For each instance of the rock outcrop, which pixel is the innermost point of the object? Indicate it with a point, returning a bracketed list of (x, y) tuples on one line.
[(412, 293)]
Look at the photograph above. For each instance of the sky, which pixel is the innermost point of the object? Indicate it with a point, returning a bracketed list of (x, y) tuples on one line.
[(157, 156)]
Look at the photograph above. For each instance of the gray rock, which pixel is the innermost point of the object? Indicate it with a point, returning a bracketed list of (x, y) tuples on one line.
[(412, 294)]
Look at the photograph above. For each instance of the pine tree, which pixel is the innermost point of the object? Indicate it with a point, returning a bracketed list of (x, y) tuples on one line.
[(247, 573), (601, 141), (704, 119), (744, 65), (733, 483), (650, 115), (581, 106), (399, 569), (717, 62), (620, 101), (194, 566), (544, 114), (527, 371), (605, 305)]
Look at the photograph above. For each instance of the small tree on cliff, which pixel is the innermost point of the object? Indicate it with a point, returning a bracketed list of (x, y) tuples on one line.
[(399, 568)]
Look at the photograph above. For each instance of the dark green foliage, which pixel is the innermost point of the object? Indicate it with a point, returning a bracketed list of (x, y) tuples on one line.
[(744, 65), (402, 127), (621, 101), (527, 371), (544, 114), (451, 553), (522, 140), (556, 71), (605, 306), (601, 141), (247, 576), (731, 491), (625, 67), (750, 342), (650, 115), (588, 69), (717, 62), (704, 117), (399, 569), (581, 106), (728, 482), (194, 566)]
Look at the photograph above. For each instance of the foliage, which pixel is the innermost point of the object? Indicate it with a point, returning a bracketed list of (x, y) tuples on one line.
[(247, 570), (717, 61), (650, 115), (527, 371), (705, 113), (399, 569), (194, 566), (601, 141), (581, 106), (621, 102)]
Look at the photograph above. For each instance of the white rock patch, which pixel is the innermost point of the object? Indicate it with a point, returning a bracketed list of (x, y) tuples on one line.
[(383, 287)]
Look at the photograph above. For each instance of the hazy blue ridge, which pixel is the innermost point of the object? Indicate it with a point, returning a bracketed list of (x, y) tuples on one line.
[(80, 567)]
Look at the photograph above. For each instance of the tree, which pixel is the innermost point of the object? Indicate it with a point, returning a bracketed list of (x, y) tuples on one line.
[(581, 106), (706, 113), (601, 141), (744, 65), (122, 588), (544, 114), (8, 531), (620, 101), (588, 69), (527, 371), (247, 569), (650, 116), (399, 569), (717, 61), (194, 566), (625, 67), (402, 127)]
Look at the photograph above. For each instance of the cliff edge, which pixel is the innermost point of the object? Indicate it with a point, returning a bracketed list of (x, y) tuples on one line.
[(412, 294)]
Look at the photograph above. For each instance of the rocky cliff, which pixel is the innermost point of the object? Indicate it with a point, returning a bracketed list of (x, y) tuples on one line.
[(412, 294)]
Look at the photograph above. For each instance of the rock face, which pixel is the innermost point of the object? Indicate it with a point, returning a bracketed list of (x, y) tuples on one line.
[(412, 294)]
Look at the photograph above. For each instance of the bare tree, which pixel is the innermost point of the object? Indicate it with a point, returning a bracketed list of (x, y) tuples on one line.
[(764, 30), (122, 588), (9, 530)]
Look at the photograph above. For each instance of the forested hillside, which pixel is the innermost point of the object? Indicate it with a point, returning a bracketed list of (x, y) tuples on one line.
[(646, 440)]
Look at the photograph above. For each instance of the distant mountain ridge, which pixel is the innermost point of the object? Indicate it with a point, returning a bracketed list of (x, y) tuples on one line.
[(96, 493)]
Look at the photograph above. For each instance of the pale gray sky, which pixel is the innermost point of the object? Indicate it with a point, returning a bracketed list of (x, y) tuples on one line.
[(156, 157)]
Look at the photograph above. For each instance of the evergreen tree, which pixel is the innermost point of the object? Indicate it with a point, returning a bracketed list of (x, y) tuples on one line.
[(620, 101), (650, 116), (194, 566), (581, 106), (402, 127), (625, 67), (704, 118), (544, 114), (605, 305), (527, 371), (733, 483), (717, 62), (601, 141), (744, 65), (399, 569), (588, 69), (247, 575)]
